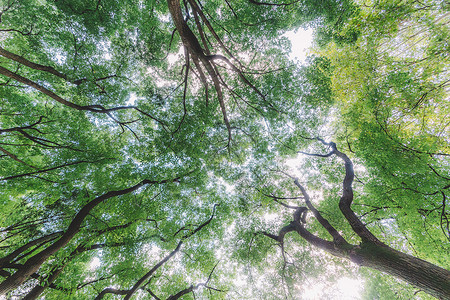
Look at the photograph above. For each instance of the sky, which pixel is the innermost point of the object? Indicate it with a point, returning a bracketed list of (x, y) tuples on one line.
[(301, 40)]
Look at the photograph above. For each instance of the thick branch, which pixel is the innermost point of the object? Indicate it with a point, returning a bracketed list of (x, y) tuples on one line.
[(309, 237), (347, 198), (198, 10), (149, 273), (48, 280), (347, 194), (191, 42), (32, 65), (337, 238), (182, 293), (58, 269)]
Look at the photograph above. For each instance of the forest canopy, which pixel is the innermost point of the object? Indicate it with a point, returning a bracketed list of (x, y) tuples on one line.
[(171, 149)]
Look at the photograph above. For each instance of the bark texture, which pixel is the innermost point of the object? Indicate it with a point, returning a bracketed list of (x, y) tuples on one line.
[(430, 278)]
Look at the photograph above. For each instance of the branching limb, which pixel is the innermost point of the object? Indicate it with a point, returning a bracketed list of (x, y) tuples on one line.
[(347, 198), (203, 224), (317, 154), (23, 127), (337, 238), (319, 242), (202, 57), (129, 293), (347, 194), (44, 142), (198, 10), (277, 199), (35, 66), (308, 236), (239, 72), (28, 245)]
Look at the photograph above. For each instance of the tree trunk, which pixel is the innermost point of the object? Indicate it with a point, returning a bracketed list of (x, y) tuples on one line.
[(430, 278)]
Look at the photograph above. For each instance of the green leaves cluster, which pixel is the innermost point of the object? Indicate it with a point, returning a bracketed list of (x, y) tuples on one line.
[(109, 98)]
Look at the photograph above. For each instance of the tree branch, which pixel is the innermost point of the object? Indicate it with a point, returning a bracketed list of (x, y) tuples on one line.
[(272, 4), (337, 238), (347, 198), (33, 65), (49, 169)]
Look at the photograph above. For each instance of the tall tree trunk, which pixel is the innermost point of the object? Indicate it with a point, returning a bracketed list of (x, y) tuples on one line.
[(430, 278)]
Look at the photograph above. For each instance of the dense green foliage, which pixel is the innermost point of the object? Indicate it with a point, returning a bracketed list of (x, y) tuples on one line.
[(98, 96)]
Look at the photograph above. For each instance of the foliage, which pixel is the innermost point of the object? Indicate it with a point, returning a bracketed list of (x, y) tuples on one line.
[(143, 144), (391, 88)]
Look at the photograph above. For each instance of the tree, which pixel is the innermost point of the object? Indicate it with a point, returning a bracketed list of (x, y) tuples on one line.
[(371, 251), (142, 145)]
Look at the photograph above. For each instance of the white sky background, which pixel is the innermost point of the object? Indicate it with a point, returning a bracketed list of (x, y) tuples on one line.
[(301, 41)]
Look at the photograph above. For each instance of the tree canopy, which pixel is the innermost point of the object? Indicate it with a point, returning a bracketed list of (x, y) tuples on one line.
[(171, 149)]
